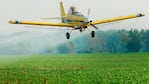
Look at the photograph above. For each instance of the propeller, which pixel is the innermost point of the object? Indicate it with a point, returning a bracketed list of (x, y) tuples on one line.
[(88, 14), (94, 26)]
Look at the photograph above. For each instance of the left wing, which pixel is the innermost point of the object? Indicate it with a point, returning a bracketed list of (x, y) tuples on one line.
[(117, 18), (41, 23)]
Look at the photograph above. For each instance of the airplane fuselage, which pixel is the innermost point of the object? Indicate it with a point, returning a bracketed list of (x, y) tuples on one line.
[(76, 18)]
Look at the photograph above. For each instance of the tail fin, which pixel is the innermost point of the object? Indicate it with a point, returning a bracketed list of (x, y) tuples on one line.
[(62, 9)]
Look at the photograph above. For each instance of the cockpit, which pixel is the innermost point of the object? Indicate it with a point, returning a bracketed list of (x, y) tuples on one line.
[(73, 11)]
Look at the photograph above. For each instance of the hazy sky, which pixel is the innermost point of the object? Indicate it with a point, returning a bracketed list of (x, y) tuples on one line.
[(100, 9)]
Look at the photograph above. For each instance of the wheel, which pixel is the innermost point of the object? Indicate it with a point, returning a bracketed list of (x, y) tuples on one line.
[(81, 30), (93, 34), (67, 35)]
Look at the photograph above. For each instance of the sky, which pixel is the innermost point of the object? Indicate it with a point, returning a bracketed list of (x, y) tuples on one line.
[(34, 10), (15, 37)]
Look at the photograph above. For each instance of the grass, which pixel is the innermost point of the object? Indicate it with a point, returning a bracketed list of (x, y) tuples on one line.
[(121, 68)]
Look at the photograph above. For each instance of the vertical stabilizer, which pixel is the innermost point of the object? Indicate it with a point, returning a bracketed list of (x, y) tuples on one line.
[(62, 9)]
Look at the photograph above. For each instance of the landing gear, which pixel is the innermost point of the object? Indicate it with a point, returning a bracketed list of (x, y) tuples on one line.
[(93, 34), (80, 30), (67, 35)]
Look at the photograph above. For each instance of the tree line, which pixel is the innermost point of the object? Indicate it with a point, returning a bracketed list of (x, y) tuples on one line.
[(112, 41)]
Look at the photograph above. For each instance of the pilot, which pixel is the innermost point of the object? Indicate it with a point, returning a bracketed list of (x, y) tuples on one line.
[(73, 9)]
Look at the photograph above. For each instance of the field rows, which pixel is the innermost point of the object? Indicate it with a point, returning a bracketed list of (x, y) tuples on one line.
[(132, 68)]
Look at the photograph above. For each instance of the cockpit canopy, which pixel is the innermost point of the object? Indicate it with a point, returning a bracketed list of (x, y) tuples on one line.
[(73, 11)]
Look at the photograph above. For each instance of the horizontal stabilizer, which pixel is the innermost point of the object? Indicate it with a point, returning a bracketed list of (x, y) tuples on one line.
[(51, 18)]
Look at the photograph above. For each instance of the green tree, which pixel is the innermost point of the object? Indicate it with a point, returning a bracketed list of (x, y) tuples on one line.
[(134, 44)]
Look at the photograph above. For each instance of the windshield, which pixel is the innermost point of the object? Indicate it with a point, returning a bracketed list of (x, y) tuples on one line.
[(73, 11)]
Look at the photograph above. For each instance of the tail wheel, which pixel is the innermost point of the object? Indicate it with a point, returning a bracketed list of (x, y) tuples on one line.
[(93, 34), (81, 30), (67, 35)]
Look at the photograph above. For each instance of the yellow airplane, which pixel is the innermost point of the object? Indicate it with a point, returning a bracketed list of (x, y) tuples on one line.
[(75, 20)]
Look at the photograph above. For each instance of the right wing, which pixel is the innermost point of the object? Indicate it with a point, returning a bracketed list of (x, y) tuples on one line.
[(117, 18), (41, 23)]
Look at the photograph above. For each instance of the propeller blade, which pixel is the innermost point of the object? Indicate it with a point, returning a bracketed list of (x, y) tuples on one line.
[(94, 26), (88, 12)]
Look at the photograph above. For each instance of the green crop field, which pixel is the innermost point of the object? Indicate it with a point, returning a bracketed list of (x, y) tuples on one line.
[(132, 68)]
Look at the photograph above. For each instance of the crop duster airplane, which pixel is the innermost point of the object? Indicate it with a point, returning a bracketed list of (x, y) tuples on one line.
[(75, 20)]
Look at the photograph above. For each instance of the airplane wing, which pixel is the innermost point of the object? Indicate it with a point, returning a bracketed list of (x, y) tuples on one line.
[(41, 23), (72, 25), (117, 18)]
